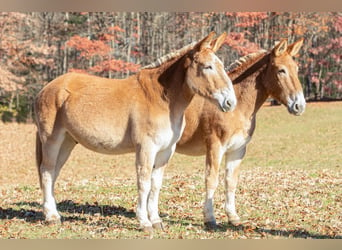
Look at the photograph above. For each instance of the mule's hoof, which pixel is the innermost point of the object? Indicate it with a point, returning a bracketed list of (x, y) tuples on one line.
[(235, 222), (158, 226), (53, 222), (147, 229), (210, 225)]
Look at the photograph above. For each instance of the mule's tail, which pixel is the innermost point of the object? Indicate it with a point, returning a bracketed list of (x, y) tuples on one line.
[(39, 156)]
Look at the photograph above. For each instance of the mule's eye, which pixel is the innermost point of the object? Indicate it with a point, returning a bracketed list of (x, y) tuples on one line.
[(282, 71), (207, 67)]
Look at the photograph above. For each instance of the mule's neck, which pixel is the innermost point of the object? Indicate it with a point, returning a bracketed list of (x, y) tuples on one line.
[(167, 85), (249, 87), (172, 78)]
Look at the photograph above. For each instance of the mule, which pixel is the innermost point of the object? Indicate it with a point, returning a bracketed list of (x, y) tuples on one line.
[(143, 113), (255, 78)]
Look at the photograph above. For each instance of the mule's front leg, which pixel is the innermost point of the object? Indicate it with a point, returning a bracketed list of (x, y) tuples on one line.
[(157, 179), (161, 161), (213, 162), (144, 164), (233, 161)]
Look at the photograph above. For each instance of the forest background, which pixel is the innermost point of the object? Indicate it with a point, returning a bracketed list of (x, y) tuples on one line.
[(37, 47)]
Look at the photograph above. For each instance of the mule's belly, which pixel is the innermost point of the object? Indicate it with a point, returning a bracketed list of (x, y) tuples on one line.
[(191, 148), (103, 140), (198, 147), (108, 147), (118, 136)]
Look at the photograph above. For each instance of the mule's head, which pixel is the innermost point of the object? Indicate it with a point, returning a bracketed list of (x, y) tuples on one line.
[(206, 76), (282, 77)]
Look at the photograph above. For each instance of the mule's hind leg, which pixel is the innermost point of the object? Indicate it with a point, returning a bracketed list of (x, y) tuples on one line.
[(50, 150), (64, 153)]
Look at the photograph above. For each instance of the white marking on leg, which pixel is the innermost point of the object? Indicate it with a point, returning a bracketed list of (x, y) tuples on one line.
[(208, 206), (144, 187), (213, 162), (157, 180), (144, 164), (49, 205), (48, 174), (233, 161), (160, 163)]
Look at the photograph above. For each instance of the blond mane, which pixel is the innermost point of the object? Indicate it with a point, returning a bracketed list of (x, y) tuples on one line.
[(243, 63), (172, 55)]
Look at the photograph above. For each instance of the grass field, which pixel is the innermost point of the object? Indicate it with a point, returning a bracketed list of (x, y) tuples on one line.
[(290, 186)]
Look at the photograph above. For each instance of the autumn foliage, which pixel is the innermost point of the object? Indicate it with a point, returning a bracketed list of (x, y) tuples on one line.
[(37, 47), (99, 51)]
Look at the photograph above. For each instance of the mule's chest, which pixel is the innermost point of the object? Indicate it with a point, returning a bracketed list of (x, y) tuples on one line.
[(168, 134), (240, 137), (236, 142)]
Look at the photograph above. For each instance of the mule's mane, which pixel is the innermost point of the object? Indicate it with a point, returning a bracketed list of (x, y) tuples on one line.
[(172, 55), (243, 63)]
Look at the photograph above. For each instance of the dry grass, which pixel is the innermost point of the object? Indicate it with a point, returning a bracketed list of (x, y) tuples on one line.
[(290, 186)]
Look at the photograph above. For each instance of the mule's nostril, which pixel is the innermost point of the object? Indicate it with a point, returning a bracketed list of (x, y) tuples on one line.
[(228, 103), (296, 107)]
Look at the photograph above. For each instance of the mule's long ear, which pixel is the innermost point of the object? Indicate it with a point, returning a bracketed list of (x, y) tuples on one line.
[(205, 42), (293, 49), (217, 43), (280, 48)]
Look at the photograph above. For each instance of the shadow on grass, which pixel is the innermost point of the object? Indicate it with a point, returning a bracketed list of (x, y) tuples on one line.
[(180, 222), (67, 206), (28, 215), (92, 209), (248, 229)]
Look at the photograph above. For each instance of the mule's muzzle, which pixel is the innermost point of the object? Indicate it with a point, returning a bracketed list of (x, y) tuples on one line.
[(228, 105), (226, 99), (296, 106)]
